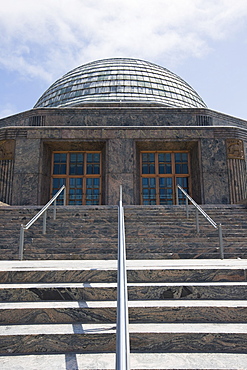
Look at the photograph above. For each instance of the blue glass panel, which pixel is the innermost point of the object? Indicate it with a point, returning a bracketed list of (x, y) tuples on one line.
[(75, 191), (60, 157), (144, 169), (183, 182), (184, 157), (76, 164), (149, 191), (57, 183), (93, 163), (148, 163), (181, 163), (59, 167), (92, 191), (165, 166), (165, 191), (96, 157)]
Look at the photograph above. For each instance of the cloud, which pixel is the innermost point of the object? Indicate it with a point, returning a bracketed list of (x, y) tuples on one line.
[(46, 38), (7, 110)]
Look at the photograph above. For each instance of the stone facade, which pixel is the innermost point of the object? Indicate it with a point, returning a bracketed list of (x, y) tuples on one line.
[(217, 144)]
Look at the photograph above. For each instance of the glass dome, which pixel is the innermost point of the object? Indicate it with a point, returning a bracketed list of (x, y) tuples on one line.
[(120, 80)]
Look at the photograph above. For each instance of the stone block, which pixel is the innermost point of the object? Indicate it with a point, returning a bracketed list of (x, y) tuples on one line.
[(25, 187), (27, 156), (120, 156), (114, 182)]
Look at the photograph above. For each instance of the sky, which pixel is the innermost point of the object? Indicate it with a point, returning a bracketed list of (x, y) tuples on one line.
[(202, 41)]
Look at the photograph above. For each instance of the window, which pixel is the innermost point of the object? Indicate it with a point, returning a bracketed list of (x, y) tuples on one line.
[(81, 173), (160, 173)]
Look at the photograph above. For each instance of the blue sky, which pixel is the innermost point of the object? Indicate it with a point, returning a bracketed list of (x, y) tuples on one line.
[(203, 41)]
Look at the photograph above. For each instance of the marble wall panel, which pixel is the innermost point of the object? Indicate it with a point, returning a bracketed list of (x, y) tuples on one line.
[(38, 133), (81, 134), (214, 171), (114, 181), (145, 133), (25, 187), (45, 177), (122, 115), (27, 171), (245, 151), (196, 174), (120, 156), (27, 156), (120, 169)]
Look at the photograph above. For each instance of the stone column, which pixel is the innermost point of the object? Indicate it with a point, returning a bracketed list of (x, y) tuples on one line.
[(214, 172), (120, 170), (26, 172), (7, 150), (237, 170)]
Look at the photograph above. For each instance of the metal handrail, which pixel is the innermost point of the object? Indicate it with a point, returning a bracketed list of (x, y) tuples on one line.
[(40, 213), (199, 209), (122, 333)]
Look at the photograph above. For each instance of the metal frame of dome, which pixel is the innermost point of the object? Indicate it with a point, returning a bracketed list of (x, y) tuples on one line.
[(120, 80)]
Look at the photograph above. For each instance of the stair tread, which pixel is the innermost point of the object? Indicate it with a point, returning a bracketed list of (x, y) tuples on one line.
[(113, 304), (114, 285), (131, 264), (106, 328)]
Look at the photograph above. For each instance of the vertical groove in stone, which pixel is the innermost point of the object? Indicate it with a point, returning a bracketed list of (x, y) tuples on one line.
[(6, 180), (237, 180)]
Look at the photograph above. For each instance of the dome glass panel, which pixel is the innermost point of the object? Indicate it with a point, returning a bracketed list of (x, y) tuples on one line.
[(120, 79)]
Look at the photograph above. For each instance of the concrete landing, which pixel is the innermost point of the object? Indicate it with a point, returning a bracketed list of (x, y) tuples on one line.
[(138, 361)]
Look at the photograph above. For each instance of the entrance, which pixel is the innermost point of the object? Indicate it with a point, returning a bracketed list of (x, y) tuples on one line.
[(160, 173), (80, 172)]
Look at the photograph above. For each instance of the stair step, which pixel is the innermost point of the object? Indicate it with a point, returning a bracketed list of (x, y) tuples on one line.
[(91, 233), (178, 337), (62, 271), (107, 291), (139, 311)]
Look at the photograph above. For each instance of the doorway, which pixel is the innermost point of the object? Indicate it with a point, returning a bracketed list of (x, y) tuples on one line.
[(81, 173), (161, 171)]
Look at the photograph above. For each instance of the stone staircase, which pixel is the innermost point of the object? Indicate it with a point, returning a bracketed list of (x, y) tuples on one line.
[(91, 233), (184, 314), (187, 308)]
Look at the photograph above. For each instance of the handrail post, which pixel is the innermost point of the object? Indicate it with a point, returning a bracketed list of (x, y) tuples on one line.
[(21, 243), (197, 221), (44, 222), (55, 209), (122, 332), (221, 242), (177, 199), (64, 196), (187, 208)]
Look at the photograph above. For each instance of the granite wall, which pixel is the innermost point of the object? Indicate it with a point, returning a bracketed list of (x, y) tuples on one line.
[(121, 115), (121, 134)]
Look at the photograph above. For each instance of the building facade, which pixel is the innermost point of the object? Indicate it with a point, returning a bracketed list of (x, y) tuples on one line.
[(122, 121)]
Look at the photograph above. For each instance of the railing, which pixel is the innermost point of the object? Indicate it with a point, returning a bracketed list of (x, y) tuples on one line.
[(122, 333), (43, 212), (199, 209)]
